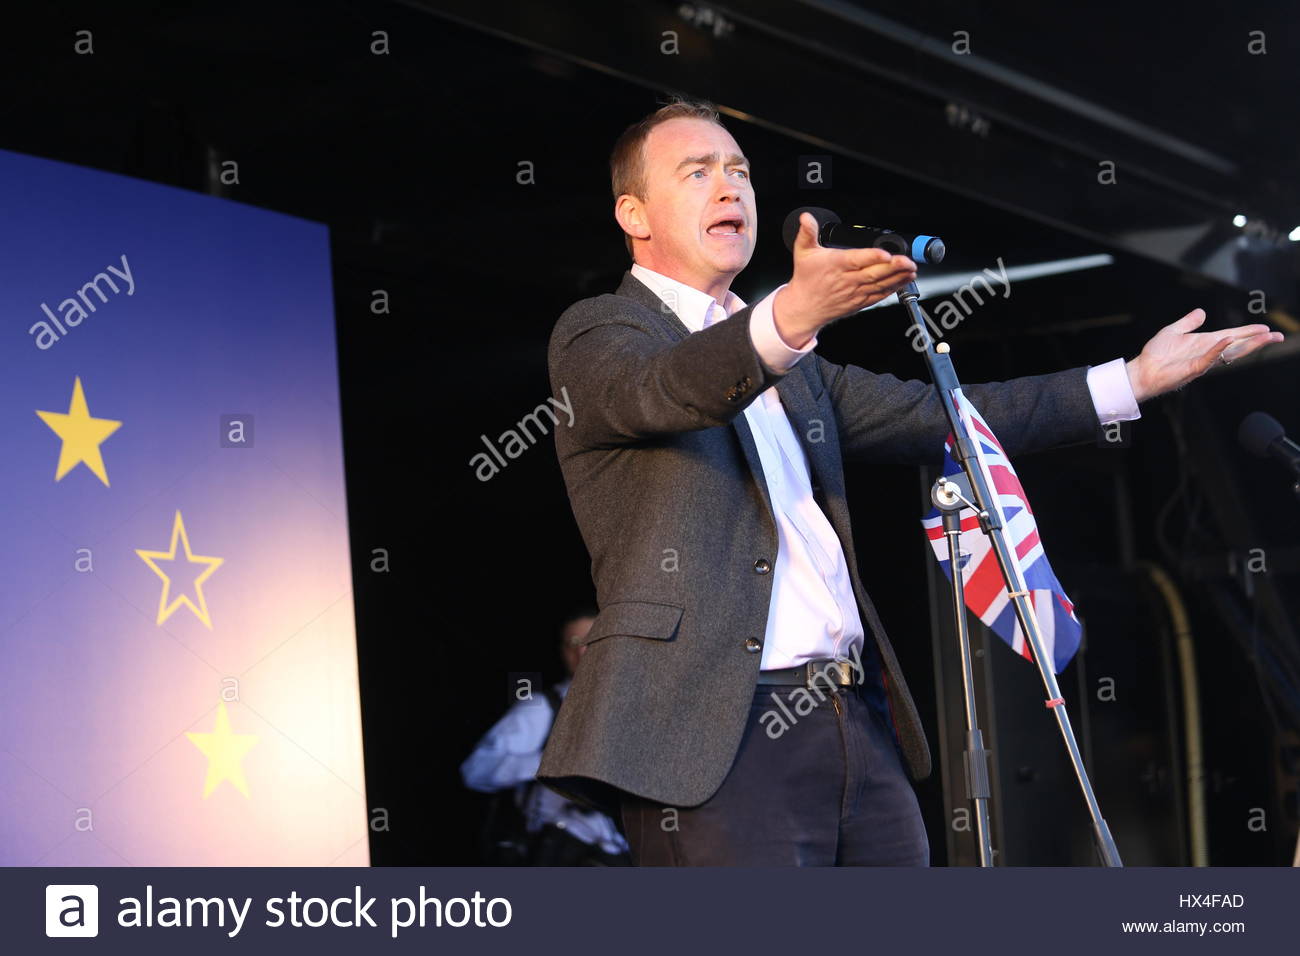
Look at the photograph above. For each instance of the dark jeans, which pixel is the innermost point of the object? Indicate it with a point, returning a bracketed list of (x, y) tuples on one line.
[(822, 788)]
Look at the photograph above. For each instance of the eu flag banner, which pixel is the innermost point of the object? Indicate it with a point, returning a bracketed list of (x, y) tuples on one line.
[(179, 680), (985, 593)]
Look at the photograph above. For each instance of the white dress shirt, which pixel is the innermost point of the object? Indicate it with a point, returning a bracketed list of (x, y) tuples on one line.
[(813, 612)]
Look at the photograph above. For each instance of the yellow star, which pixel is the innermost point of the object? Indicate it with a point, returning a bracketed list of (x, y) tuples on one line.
[(165, 609), (81, 434), (224, 750)]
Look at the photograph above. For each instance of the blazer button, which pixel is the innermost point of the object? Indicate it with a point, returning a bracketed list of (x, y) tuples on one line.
[(762, 566), (753, 645)]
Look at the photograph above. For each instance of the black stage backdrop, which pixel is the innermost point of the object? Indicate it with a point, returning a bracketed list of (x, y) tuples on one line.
[(463, 176)]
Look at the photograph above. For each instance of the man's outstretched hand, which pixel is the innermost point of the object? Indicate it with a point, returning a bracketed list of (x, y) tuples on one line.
[(829, 283), (1176, 355)]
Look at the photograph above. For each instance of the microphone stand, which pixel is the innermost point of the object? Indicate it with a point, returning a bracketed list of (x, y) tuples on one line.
[(948, 498), (975, 493)]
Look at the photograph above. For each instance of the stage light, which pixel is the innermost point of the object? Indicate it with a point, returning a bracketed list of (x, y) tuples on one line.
[(1239, 220), (932, 285), (1294, 234)]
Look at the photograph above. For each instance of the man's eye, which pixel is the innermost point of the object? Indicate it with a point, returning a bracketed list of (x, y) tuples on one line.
[(698, 172), (744, 173)]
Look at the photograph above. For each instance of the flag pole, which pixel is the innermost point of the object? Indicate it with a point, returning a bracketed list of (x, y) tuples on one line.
[(990, 517)]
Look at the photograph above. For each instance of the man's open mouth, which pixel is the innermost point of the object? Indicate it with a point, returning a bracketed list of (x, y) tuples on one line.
[(726, 227)]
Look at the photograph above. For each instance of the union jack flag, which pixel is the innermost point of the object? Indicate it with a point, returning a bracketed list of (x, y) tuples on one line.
[(986, 594)]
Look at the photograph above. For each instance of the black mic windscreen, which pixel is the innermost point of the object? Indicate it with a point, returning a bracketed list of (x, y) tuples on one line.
[(790, 228), (1258, 431)]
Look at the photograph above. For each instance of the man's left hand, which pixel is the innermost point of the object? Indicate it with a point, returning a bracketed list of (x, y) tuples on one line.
[(1176, 355)]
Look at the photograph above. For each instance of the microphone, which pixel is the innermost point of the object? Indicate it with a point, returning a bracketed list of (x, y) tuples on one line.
[(1264, 436), (832, 232)]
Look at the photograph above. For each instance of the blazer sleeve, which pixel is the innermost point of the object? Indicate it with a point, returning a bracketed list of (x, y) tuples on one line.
[(886, 419), (627, 381)]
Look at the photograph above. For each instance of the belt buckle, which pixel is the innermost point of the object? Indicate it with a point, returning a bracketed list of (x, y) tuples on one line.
[(843, 670)]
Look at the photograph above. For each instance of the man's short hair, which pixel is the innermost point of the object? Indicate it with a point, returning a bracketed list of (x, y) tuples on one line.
[(581, 612), (627, 161)]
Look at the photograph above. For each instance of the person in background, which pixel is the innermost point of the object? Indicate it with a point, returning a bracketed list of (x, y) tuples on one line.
[(556, 831)]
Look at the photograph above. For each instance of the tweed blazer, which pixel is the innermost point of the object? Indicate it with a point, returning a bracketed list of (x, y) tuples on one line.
[(669, 494)]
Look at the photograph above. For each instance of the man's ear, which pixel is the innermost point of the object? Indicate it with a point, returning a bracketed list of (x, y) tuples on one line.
[(630, 214)]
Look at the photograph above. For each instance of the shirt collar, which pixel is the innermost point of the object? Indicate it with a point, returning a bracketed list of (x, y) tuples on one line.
[(690, 305)]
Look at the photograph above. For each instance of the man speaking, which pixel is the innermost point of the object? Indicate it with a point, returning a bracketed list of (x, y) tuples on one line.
[(704, 468)]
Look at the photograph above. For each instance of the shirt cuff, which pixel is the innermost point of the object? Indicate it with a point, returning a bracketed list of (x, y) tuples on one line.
[(1112, 395), (778, 357)]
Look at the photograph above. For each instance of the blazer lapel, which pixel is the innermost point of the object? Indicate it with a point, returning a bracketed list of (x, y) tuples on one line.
[(806, 419), (741, 425), (802, 412), (797, 398), (633, 288)]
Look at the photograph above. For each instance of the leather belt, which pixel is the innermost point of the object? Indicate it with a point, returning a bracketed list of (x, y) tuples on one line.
[(823, 670)]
